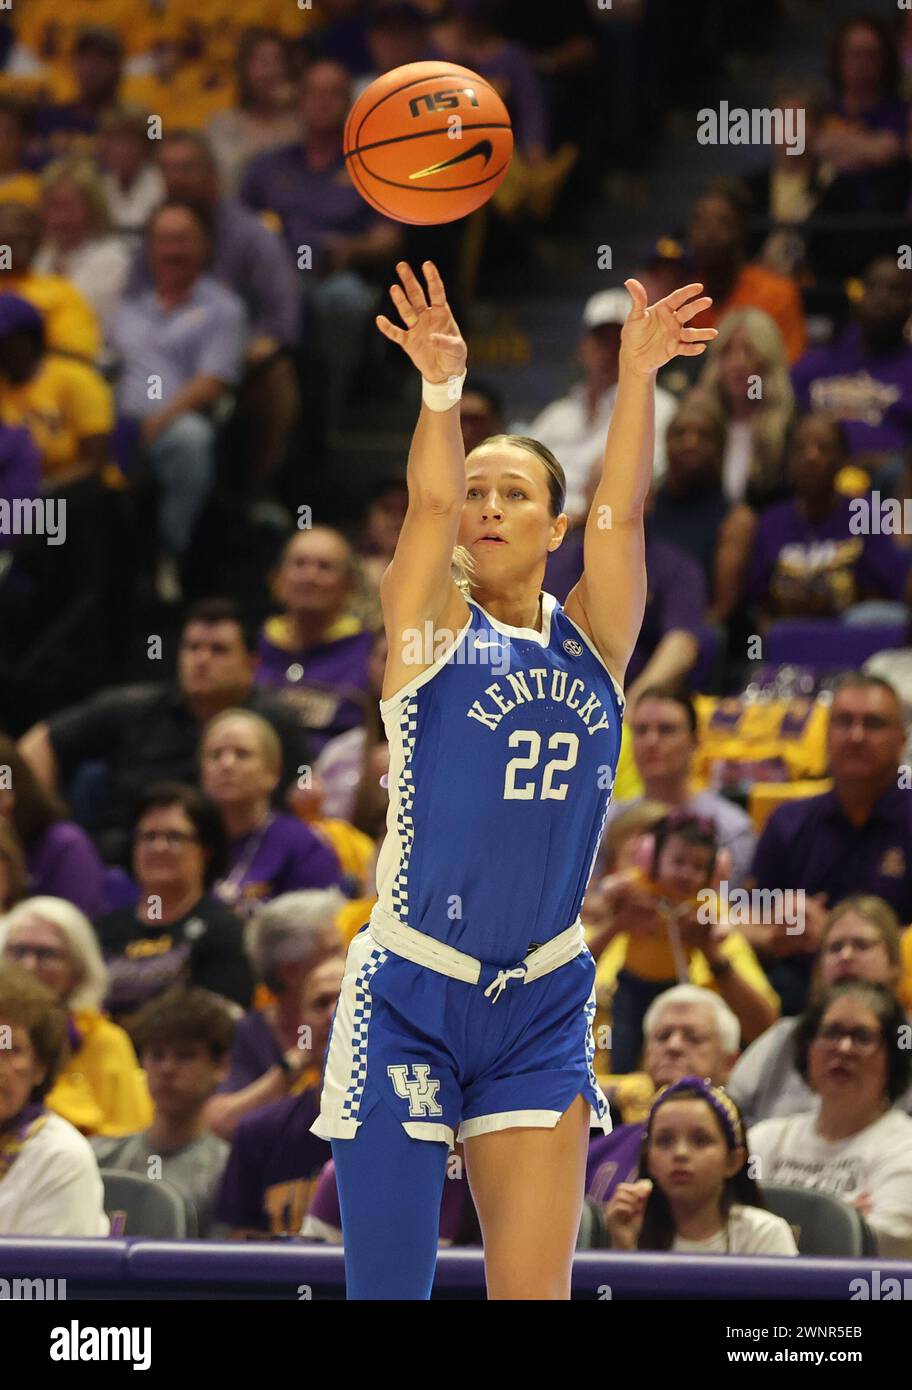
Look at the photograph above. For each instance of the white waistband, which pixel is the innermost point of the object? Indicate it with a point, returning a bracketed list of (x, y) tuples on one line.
[(417, 946)]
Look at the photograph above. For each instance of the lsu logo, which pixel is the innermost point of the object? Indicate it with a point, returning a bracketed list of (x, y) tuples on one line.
[(420, 1090)]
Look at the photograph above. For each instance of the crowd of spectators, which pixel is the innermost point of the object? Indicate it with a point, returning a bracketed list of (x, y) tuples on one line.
[(193, 764)]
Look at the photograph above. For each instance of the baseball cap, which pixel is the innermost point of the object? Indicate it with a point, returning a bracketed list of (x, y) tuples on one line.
[(608, 306), (18, 315)]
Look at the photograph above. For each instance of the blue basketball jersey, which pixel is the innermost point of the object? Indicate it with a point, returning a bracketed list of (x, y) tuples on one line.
[(502, 761)]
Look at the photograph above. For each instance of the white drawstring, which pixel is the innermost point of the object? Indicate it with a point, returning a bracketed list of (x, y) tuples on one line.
[(500, 980)]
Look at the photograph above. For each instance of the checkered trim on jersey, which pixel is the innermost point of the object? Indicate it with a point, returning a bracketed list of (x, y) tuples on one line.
[(601, 1105), (405, 825), (361, 1014)]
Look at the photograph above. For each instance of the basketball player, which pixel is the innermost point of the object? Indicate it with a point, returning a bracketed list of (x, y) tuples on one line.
[(466, 1007)]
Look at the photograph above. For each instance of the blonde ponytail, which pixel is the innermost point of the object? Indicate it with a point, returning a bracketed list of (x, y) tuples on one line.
[(462, 568)]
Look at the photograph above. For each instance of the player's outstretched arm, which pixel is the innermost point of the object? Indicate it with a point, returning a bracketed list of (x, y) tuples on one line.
[(612, 591), (418, 584)]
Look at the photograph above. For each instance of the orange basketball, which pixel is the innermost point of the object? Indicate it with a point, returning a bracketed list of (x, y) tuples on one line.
[(428, 142)]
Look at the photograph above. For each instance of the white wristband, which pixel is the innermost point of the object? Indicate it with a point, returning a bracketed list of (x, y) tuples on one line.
[(441, 395)]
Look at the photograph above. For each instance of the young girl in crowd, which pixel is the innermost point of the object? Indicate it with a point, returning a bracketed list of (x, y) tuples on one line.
[(695, 1193), (662, 901)]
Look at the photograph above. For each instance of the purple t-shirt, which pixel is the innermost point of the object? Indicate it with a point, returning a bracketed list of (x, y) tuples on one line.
[(675, 592), (802, 568), (281, 858), (324, 1204), (310, 204), (871, 393), (254, 1049), (273, 1162), (326, 684), (20, 472), (64, 863), (613, 1158)]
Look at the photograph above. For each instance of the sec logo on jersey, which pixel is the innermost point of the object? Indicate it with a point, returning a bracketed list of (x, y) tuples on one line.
[(572, 647)]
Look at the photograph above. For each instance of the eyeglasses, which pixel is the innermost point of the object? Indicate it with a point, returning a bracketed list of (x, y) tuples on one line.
[(44, 955), (864, 1040), (174, 839)]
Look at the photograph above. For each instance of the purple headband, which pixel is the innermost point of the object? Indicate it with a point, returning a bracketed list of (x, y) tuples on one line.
[(721, 1103)]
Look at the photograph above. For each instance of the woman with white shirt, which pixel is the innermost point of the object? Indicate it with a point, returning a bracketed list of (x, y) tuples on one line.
[(77, 241), (852, 1048), (49, 1180)]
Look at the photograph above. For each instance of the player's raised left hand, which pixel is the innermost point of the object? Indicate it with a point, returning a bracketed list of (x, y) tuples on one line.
[(653, 334)]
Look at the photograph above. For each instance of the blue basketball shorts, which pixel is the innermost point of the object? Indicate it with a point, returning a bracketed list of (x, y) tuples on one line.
[(450, 1060)]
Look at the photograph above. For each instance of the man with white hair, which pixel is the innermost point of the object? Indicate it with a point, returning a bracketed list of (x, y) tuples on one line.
[(687, 1031), (575, 426)]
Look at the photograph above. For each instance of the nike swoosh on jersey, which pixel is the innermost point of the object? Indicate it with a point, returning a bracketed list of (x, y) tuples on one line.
[(482, 147)]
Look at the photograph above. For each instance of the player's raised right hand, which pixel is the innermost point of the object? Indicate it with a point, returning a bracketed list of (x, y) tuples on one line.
[(431, 336)]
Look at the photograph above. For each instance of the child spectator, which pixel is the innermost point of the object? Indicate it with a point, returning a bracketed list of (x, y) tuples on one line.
[(183, 1040), (695, 1193)]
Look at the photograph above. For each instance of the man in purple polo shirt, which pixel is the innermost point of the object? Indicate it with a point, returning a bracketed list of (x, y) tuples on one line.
[(334, 235), (687, 1031), (316, 655), (180, 345), (864, 379), (856, 838)]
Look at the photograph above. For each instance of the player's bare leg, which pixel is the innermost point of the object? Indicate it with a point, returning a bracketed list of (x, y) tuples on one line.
[(528, 1187)]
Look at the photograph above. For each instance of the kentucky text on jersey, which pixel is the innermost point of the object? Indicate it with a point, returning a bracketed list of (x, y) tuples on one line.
[(549, 685)]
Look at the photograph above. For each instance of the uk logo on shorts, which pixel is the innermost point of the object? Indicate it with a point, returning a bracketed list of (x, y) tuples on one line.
[(420, 1090)]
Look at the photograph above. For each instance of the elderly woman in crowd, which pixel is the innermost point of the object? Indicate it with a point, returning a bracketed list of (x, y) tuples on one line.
[(268, 852), (178, 932), (49, 1180), (849, 1048), (278, 1049), (100, 1089), (861, 941)]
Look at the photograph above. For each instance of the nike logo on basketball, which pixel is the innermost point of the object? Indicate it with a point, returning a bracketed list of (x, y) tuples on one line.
[(482, 147)]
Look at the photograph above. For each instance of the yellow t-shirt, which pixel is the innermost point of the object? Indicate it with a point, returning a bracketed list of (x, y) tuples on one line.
[(627, 781), (904, 988), (65, 402), (735, 948), (20, 188), (70, 324), (102, 1089)]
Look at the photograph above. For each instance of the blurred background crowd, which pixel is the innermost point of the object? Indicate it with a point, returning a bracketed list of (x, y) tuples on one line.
[(192, 760)]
